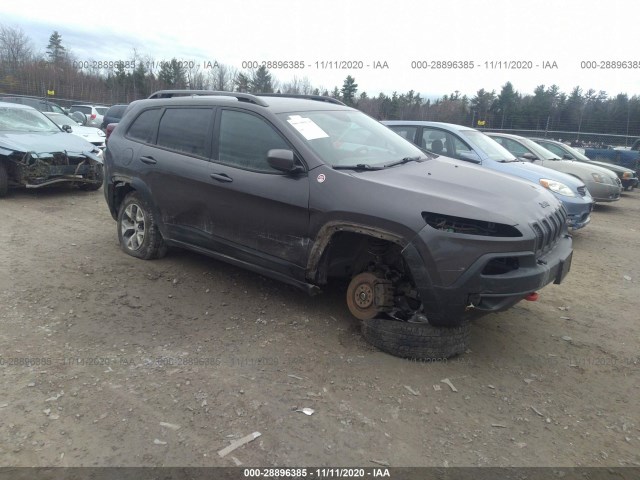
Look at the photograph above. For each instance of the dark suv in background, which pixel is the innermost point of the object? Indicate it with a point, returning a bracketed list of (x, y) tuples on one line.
[(113, 115), (304, 190)]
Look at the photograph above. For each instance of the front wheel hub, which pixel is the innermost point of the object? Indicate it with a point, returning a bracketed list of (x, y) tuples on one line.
[(368, 295)]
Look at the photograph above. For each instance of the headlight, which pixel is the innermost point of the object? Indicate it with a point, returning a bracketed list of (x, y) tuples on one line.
[(101, 133), (597, 178), (557, 187), (626, 175)]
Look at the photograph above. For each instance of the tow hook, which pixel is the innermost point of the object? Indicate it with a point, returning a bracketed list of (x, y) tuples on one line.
[(532, 297)]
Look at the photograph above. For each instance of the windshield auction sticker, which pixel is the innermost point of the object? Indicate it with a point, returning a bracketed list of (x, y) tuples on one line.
[(307, 127)]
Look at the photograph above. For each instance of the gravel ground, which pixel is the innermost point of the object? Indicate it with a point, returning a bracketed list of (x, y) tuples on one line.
[(112, 361)]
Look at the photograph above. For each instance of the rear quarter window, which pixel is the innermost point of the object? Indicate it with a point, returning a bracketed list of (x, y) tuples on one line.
[(144, 127), (186, 130)]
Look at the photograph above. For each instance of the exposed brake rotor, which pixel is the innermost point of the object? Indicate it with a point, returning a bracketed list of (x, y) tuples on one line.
[(368, 295)]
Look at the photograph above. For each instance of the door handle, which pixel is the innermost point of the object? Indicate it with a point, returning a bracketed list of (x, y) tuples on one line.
[(148, 160), (221, 177)]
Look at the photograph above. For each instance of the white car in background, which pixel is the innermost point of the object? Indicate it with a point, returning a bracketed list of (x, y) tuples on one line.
[(90, 134), (94, 113)]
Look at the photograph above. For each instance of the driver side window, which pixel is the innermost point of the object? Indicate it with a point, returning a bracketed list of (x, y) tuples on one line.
[(245, 141)]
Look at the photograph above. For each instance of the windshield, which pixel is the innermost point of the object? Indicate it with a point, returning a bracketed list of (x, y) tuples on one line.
[(348, 138), (541, 152), (25, 120), (489, 146), (576, 153)]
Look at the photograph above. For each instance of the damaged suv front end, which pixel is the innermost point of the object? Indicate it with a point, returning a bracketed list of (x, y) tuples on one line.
[(34, 153)]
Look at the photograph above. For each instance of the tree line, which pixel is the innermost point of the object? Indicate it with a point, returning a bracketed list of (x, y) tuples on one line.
[(26, 72)]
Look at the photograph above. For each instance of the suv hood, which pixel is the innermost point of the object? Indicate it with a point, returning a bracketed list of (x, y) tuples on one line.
[(46, 142), (458, 188)]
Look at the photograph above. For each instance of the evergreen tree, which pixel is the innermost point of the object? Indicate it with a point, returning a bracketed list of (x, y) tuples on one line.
[(55, 50), (172, 74), (242, 83), (349, 89), (261, 81)]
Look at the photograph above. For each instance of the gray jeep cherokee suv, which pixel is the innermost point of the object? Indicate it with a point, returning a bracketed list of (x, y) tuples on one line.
[(303, 190)]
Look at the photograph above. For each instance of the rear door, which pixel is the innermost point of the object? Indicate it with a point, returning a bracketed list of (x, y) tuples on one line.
[(174, 164)]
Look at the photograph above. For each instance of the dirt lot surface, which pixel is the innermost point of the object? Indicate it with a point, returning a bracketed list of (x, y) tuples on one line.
[(108, 360)]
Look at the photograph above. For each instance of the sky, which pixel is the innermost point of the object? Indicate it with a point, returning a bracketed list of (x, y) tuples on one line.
[(387, 46)]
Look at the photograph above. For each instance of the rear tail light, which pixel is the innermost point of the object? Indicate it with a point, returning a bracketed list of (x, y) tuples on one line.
[(110, 129), (93, 116)]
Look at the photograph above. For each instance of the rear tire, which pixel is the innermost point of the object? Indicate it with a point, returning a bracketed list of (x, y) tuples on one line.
[(138, 231), (4, 180), (420, 341)]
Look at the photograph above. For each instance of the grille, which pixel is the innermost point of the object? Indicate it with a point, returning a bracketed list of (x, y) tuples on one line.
[(582, 190), (618, 182), (548, 230)]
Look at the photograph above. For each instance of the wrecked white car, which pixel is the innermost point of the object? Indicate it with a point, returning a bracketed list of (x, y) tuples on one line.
[(35, 152)]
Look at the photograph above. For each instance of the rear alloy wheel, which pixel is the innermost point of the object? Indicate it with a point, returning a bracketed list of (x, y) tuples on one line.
[(137, 230), (420, 341)]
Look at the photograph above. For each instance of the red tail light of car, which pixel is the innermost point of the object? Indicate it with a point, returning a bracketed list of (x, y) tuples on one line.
[(93, 116), (110, 129)]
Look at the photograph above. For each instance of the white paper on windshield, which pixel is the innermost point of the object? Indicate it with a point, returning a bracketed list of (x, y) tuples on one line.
[(307, 127)]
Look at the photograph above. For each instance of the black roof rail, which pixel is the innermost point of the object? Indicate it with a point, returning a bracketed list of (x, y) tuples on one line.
[(318, 98), (241, 97)]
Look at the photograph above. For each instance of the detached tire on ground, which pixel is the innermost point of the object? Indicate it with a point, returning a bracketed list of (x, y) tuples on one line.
[(138, 231), (420, 341)]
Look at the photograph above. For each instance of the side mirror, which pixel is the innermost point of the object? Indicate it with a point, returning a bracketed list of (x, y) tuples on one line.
[(470, 156), (283, 160), (529, 156), (67, 128), (566, 156)]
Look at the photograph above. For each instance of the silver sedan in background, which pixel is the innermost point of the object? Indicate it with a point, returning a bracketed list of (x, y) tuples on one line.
[(602, 183)]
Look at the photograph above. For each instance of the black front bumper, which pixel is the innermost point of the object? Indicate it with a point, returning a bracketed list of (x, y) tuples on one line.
[(481, 289)]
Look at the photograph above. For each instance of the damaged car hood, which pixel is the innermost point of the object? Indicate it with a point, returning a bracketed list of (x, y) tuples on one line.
[(44, 143), (455, 187)]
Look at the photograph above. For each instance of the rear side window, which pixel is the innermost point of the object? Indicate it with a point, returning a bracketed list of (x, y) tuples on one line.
[(101, 110), (186, 130), (245, 141), (144, 127)]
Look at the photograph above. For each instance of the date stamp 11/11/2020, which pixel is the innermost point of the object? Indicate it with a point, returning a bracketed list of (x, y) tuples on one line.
[(355, 64)]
